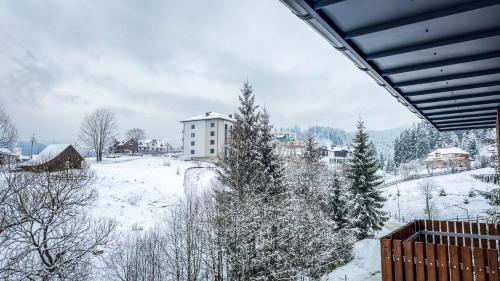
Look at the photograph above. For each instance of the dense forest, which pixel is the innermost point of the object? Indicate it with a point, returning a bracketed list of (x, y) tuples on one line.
[(421, 139)]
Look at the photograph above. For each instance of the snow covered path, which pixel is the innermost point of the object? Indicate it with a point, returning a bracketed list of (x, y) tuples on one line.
[(137, 191)]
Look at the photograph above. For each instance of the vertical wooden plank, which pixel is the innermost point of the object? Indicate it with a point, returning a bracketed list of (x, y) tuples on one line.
[(493, 265), (409, 267), (491, 231), (479, 271), (454, 263), (475, 230), (442, 255), (420, 261), (468, 241), (435, 227), (430, 254), (428, 227), (459, 229), (483, 230), (444, 230), (398, 260), (451, 230), (386, 255), (466, 264)]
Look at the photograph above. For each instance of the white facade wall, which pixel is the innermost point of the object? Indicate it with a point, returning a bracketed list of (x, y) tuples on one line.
[(209, 137)]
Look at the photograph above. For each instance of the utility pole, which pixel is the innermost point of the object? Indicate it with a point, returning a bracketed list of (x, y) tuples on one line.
[(398, 194), (33, 141)]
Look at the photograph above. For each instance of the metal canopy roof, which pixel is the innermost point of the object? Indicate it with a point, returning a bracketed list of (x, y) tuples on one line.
[(440, 58)]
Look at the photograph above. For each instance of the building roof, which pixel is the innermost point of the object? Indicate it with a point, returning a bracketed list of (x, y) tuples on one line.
[(450, 150), (50, 152), (6, 151), (208, 116), (441, 59)]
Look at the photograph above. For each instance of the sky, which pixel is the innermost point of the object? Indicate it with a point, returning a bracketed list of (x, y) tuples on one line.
[(156, 62)]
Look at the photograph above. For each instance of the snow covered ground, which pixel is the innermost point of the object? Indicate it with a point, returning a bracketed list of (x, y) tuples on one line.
[(136, 191), (366, 263)]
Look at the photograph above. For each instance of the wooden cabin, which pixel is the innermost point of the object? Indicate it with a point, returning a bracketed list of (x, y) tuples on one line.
[(55, 157), (448, 157), (121, 146)]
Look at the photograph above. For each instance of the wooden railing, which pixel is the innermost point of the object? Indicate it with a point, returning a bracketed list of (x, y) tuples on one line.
[(441, 250)]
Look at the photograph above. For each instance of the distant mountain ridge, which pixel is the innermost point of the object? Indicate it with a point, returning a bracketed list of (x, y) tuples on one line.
[(25, 147)]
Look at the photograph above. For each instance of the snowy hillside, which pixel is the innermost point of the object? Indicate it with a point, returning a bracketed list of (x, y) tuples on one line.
[(366, 263), (136, 191)]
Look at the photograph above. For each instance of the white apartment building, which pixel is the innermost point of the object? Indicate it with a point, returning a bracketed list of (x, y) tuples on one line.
[(204, 136)]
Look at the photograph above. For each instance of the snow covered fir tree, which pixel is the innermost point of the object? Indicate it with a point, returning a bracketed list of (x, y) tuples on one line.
[(274, 221), (366, 212)]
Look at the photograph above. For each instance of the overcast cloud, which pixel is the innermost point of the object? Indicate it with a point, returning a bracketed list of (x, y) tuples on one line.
[(157, 62)]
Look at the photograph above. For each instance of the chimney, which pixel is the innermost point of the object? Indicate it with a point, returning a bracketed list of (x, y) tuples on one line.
[(230, 116), (207, 114)]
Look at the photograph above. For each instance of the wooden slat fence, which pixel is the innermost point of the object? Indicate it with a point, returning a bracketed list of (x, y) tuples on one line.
[(429, 250)]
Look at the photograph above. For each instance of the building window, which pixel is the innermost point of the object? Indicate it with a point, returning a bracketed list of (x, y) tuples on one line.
[(192, 143), (192, 135), (225, 126), (212, 133), (212, 125), (212, 142), (212, 151), (192, 126), (192, 151)]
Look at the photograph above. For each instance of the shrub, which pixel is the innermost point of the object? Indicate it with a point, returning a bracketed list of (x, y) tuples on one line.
[(442, 192)]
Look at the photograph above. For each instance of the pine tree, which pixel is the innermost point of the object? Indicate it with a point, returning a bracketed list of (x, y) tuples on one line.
[(240, 164), (312, 168), (367, 200), (241, 174), (270, 160), (337, 202), (470, 145), (381, 161)]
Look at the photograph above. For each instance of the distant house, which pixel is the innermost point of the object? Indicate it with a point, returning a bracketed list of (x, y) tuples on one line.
[(154, 147), (55, 157), (122, 146), (285, 136), (337, 157), (322, 151), (291, 148), (448, 157), (7, 157), (204, 136)]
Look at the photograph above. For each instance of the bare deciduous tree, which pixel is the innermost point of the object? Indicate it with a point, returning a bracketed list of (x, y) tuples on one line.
[(8, 132), (427, 187), (50, 236), (185, 247), (136, 134), (97, 130)]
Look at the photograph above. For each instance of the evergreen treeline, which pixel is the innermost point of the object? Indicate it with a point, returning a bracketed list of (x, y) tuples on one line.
[(419, 140)]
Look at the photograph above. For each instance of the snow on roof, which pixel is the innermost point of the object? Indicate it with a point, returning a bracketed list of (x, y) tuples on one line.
[(5, 151), (450, 150), (208, 116), (145, 143), (49, 153)]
